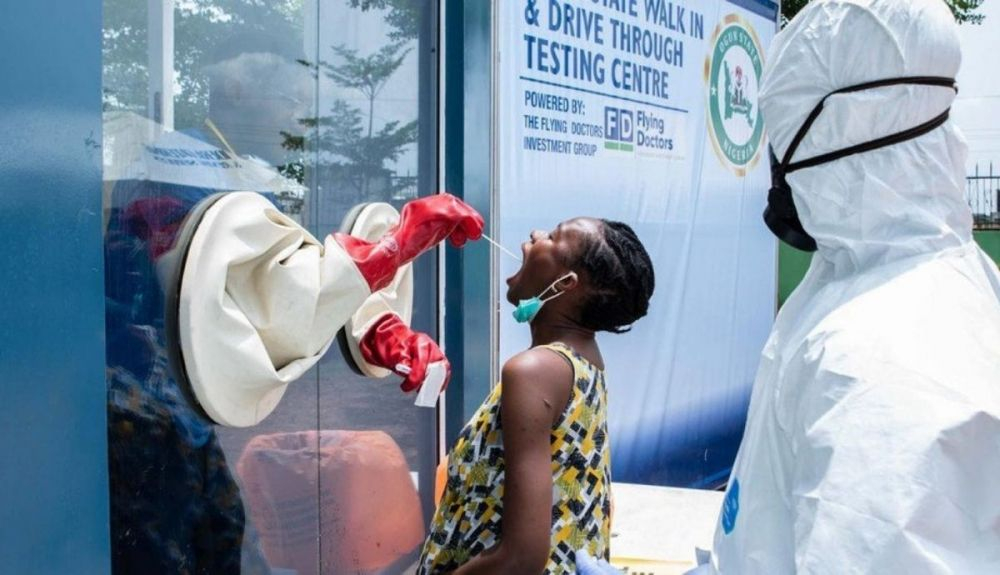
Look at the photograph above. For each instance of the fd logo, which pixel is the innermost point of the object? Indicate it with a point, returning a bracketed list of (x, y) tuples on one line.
[(732, 74), (618, 126)]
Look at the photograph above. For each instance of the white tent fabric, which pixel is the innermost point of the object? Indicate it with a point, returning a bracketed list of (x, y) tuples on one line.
[(139, 149)]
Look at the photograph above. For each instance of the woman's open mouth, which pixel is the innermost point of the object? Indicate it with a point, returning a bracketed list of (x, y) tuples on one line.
[(524, 258)]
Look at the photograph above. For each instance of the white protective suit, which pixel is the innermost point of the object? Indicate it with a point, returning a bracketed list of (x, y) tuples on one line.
[(873, 438)]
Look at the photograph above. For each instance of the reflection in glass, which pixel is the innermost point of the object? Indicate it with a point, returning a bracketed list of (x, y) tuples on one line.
[(353, 155), (317, 105)]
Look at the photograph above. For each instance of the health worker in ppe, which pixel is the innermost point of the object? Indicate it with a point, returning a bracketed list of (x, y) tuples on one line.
[(873, 438)]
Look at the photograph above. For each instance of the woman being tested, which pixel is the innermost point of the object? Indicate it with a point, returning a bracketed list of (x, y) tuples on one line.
[(528, 479)]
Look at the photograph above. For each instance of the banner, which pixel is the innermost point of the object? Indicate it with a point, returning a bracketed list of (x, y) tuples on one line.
[(645, 111)]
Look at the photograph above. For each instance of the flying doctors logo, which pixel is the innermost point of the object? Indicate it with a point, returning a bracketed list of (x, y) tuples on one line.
[(732, 73), (642, 130), (618, 129)]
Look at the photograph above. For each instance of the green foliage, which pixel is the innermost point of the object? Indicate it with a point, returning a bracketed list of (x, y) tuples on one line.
[(343, 144), (201, 28), (965, 11), (789, 8), (350, 152), (402, 15), (367, 74)]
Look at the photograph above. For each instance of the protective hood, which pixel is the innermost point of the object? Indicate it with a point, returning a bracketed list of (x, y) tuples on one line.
[(860, 209)]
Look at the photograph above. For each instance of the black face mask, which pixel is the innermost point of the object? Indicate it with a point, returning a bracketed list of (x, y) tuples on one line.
[(780, 215)]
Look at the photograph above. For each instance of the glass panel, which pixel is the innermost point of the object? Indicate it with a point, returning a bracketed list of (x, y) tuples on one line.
[(376, 70), (317, 105)]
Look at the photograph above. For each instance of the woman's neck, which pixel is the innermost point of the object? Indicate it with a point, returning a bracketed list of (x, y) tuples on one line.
[(559, 330), (582, 340)]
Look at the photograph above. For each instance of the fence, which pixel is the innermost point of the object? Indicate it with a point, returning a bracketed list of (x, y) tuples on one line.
[(982, 191)]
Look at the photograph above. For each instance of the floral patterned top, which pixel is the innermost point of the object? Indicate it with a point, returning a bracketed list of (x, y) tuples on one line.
[(469, 517)]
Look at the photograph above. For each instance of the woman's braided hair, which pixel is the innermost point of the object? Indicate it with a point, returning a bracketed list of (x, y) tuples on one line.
[(621, 279)]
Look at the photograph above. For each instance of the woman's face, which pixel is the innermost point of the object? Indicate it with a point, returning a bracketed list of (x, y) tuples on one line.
[(544, 254)]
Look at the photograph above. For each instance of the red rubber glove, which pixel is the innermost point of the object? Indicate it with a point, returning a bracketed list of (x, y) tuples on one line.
[(422, 224), (390, 343)]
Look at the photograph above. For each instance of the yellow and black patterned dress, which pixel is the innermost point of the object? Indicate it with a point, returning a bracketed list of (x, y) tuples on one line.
[(469, 517)]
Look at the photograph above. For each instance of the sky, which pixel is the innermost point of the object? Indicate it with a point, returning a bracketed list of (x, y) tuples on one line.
[(977, 111)]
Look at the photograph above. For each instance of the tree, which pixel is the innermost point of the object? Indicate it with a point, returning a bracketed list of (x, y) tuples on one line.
[(345, 143), (367, 74), (350, 149), (200, 28), (403, 15), (965, 11)]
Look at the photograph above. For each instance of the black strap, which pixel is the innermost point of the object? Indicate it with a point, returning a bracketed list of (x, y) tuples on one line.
[(896, 138), (919, 80)]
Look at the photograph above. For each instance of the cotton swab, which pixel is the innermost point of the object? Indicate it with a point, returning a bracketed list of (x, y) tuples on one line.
[(501, 248)]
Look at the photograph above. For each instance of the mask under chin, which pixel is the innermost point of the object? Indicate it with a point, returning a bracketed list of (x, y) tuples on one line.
[(527, 310)]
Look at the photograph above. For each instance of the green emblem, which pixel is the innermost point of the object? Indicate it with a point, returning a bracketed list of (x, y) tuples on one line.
[(733, 74)]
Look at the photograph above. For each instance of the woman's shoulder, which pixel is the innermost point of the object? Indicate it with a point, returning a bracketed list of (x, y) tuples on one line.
[(538, 362), (538, 371)]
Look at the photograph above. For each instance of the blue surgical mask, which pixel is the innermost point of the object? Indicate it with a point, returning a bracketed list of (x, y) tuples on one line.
[(527, 309)]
